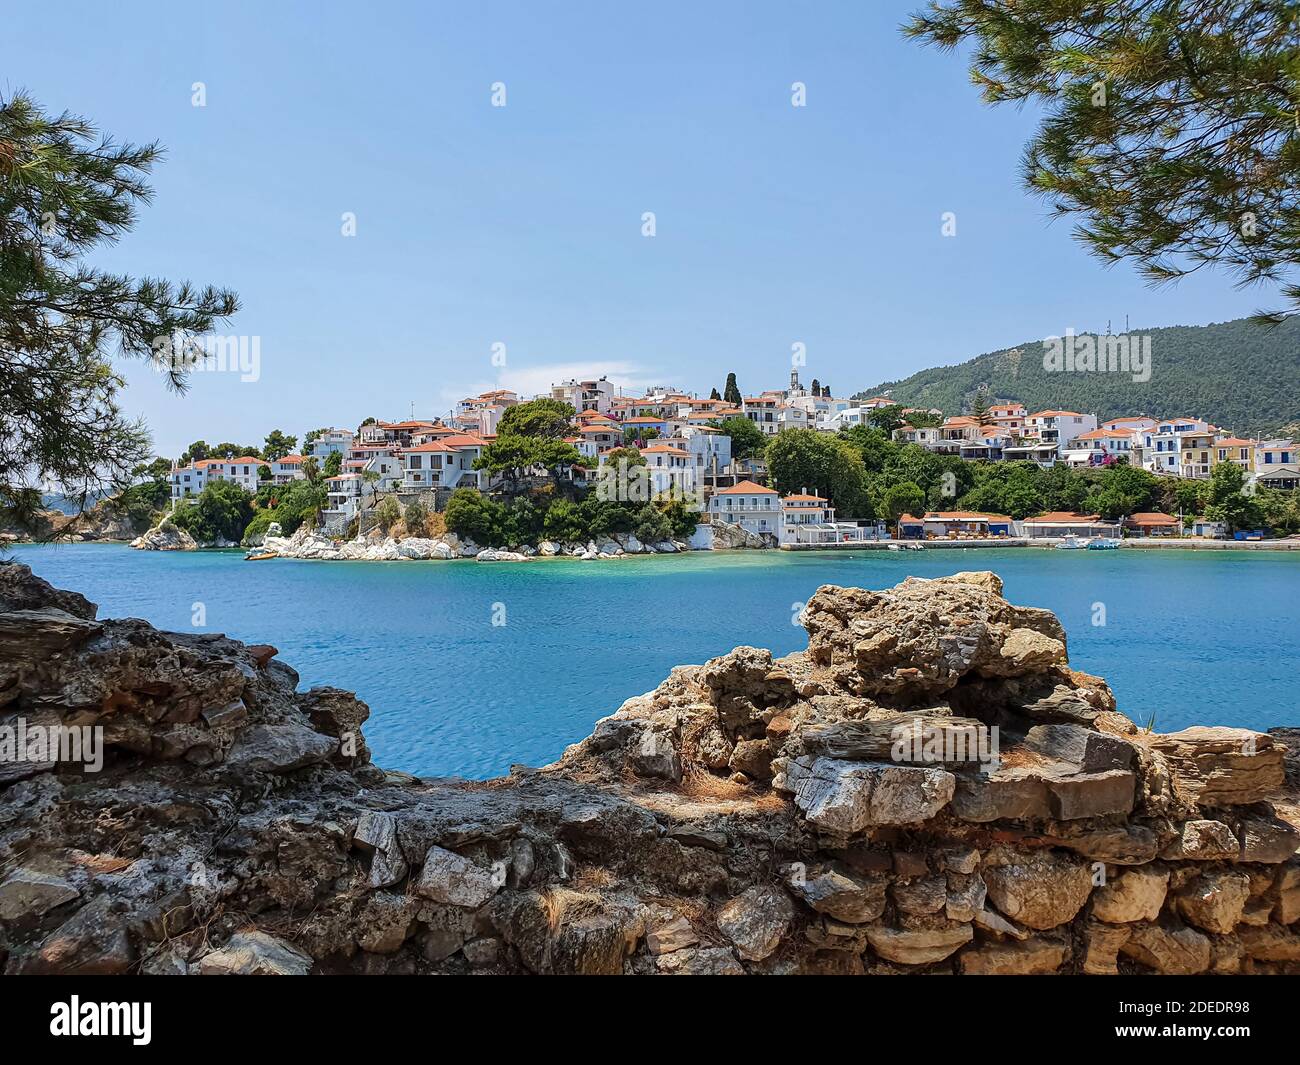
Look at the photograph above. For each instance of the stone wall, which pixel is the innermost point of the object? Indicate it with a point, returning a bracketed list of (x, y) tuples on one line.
[(838, 810)]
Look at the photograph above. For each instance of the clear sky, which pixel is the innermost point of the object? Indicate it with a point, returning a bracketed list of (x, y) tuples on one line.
[(522, 225)]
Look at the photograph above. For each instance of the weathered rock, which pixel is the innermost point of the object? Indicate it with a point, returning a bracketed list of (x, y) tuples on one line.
[(1175, 951), (700, 961), (656, 756), (1101, 946), (448, 877), (94, 941), (843, 895), (671, 935), (1005, 794), (852, 796), (1222, 766), (1214, 900), (386, 921), (919, 946), (166, 537), (1034, 957), (924, 895), (255, 953), (1036, 889), (1271, 942), (28, 893), (1203, 841), (279, 748), (377, 833), (1267, 839), (1134, 895), (756, 920)]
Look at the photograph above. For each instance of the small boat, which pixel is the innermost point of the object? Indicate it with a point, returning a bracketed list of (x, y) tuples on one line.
[(1101, 543), (1072, 543), (260, 556)]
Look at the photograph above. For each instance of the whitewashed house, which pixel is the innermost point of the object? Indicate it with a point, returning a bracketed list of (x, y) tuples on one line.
[(672, 470), (810, 519), (447, 462), (287, 468), (751, 506), (330, 442)]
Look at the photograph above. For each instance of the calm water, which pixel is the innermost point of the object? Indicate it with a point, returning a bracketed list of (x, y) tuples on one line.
[(1190, 637)]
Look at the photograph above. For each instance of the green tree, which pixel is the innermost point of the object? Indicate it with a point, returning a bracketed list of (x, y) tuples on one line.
[(563, 522), (714, 395), (799, 459), (731, 391), (643, 434), (416, 516), (652, 525), (979, 406), (531, 436), (903, 498), (1122, 490), (923, 419), (196, 452), (333, 464), (472, 515), (388, 513), (872, 444), (747, 439), (311, 468), (278, 445), (1168, 128), (545, 418), (1225, 501), (66, 192), (222, 512), (887, 419), (631, 455)]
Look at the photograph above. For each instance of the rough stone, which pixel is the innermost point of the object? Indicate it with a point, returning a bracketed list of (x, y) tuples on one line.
[(756, 920)]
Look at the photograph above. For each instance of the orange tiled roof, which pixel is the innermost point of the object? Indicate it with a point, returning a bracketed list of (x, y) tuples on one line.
[(745, 488), (1057, 516)]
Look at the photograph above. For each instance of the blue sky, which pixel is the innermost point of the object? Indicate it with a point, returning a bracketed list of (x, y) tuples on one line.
[(521, 225)]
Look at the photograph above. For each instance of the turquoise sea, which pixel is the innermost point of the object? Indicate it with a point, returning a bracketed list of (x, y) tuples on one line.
[(1193, 638)]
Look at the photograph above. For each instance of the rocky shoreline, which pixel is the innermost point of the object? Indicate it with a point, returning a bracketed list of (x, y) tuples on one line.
[(752, 815), (307, 543)]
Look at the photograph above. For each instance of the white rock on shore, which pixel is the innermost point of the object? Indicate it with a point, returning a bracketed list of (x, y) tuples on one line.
[(309, 544), (166, 537)]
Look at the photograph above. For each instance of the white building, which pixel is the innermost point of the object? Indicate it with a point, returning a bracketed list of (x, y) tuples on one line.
[(329, 442), (188, 482), (755, 508), (1101, 447), (672, 470), (762, 410), (1161, 444), (344, 494), (287, 468), (810, 519), (585, 395), (444, 463), (1058, 428), (1277, 465)]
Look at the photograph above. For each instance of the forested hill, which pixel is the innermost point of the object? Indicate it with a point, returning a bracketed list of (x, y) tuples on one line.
[(1238, 375)]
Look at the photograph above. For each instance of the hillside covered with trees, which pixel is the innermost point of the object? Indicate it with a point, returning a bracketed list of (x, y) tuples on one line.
[(1239, 375)]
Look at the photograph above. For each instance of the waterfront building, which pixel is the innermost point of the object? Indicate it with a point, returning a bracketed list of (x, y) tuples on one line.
[(1061, 523), (954, 524), (747, 504)]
